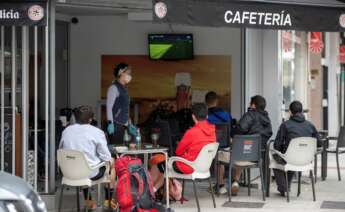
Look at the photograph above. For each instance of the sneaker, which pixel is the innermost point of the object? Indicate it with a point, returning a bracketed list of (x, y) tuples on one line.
[(90, 204), (235, 188), (223, 190), (113, 204), (215, 188)]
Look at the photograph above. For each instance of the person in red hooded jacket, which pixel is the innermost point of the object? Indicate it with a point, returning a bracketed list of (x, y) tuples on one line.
[(201, 134)]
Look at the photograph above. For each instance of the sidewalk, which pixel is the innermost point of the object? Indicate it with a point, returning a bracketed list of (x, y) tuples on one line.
[(329, 190)]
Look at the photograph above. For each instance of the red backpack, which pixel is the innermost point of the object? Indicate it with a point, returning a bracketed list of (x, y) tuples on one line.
[(134, 189)]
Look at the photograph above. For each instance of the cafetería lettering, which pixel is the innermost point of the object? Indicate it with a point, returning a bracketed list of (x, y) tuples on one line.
[(258, 18)]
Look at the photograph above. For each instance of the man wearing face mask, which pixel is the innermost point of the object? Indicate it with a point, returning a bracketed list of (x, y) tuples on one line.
[(118, 103)]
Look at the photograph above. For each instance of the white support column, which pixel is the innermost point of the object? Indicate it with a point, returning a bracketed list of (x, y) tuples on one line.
[(332, 46), (263, 71), (254, 63), (272, 77)]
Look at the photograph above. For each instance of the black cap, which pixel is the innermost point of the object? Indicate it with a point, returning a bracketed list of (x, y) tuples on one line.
[(120, 67)]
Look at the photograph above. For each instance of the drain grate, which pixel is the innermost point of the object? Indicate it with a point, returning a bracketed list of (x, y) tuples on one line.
[(333, 205), (243, 205)]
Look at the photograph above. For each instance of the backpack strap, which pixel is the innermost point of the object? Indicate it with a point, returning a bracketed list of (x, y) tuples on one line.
[(140, 188), (149, 182)]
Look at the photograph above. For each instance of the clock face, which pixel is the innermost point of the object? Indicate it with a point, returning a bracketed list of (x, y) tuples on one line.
[(161, 9), (36, 13)]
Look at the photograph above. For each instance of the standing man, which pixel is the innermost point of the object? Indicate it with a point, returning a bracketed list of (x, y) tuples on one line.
[(118, 103)]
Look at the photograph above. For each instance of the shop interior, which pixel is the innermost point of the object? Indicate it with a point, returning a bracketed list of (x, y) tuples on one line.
[(172, 67)]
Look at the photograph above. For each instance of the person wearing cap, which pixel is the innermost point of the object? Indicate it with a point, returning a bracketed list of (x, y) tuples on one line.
[(118, 103)]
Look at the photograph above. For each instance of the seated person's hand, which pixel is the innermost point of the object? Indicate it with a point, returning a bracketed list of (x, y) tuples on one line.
[(111, 128)]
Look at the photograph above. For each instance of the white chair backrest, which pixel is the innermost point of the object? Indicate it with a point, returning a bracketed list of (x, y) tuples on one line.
[(301, 151), (204, 160), (73, 164)]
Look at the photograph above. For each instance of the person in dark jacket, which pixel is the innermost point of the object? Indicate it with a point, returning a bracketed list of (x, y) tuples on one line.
[(255, 121), (296, 126)]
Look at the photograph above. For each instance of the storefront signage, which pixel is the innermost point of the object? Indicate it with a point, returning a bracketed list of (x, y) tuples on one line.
[(342, 54), (316, 43), (20, 14), (249, 14)]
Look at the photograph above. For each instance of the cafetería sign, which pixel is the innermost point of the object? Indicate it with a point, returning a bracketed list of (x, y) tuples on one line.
[(31, 13), (250, 13)]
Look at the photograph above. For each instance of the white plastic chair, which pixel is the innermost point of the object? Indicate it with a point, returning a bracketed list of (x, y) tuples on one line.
[(76, 171), (299, 158), (201, 167)]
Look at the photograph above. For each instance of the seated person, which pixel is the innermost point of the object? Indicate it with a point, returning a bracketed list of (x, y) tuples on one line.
[(201, 134), (295, 127), (84, 137), (217, 115), (255, 121)]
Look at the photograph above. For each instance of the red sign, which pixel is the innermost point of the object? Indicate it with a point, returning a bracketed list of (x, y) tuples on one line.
[(287, 41), (316, 44), (342, 54)]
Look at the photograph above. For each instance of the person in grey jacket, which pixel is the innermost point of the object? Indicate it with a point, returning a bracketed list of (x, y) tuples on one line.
[(296, 126)]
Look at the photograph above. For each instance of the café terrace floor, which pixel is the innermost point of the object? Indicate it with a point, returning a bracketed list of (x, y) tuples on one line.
[(329, 190)]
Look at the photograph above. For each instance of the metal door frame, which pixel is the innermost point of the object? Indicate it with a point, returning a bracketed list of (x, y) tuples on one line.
[(44, 35)]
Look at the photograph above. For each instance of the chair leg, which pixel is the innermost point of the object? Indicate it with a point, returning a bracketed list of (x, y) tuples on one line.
[(217, 169), (299, 183), (88, 197), (196, 196), (229, 182), (78, 199), (312, 184), (263, 183), (182, 191), (287, 187), (61, 196), (248, 178), (110, 198), (338, 168), (212, 193), (98, 193), (315, 167), (268, 182)]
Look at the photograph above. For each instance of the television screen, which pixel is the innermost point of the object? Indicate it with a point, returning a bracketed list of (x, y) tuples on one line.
[(171, 46)]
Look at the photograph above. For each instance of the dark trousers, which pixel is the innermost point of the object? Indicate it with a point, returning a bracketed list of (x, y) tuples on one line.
[(280, 176), (95, 178), (117, 137)]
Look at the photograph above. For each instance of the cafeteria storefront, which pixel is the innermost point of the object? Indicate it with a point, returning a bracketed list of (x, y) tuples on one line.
[(249, 31)]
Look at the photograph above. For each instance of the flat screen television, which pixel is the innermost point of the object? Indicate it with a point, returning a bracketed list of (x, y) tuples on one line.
[(171, 46)]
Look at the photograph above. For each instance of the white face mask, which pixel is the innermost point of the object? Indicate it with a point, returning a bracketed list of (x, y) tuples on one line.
[(127, 78)]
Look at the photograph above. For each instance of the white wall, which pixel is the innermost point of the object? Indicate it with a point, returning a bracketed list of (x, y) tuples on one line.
[(95, 36)]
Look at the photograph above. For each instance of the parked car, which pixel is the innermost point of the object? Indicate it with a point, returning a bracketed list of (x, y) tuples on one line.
[(17, 195)]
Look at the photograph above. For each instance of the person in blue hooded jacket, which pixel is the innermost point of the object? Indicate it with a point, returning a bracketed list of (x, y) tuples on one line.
[(217, 115)]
